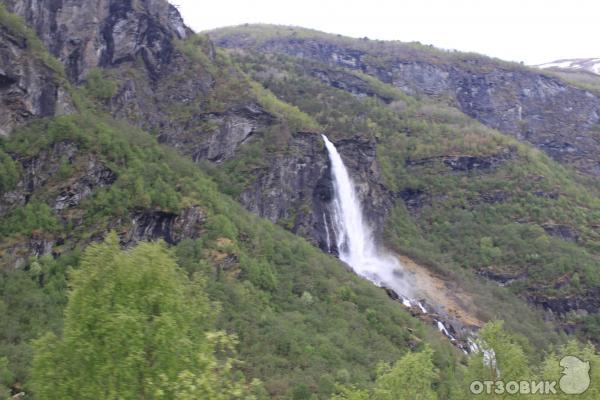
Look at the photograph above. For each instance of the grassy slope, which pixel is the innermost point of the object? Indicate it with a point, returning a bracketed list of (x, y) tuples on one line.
[(583, 79)]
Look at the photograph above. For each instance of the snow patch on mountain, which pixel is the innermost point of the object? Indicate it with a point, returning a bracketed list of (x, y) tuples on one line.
[(577, 64)]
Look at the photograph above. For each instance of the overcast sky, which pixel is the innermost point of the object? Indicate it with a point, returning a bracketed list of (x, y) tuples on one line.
[(532, 31)]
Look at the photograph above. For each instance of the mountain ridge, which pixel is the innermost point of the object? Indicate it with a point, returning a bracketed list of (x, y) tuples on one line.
[(515, 99)]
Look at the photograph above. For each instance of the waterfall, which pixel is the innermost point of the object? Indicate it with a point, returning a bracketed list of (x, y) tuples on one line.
[(354, 237), (356, 244)]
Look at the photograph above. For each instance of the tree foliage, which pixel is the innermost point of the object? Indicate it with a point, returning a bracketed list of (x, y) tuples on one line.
[(411, 378), (135, 327)]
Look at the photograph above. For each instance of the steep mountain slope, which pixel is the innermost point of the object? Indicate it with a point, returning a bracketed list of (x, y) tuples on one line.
[(162, 78), (556, 117), (460, 193)]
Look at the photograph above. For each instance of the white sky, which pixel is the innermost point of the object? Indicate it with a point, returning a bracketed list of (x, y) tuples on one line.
[(533, 31)]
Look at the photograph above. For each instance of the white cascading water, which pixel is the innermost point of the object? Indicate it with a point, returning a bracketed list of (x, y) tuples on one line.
[(355, 242), (357, 248), (354, 238)]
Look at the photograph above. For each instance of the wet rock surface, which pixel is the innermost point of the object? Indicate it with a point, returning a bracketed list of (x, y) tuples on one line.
[(564, 232), (296, 189), (588, 302)]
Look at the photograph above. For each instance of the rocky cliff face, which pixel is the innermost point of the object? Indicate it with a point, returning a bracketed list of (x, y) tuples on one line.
[(82, 35), (296, 189), (160, 87), (561, 119), (41, 177), (41, 170), (29, 88), (87, 34), (179, 96), (139, 44)]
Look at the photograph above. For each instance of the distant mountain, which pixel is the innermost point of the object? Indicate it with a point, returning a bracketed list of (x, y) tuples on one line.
[(516, 100), (575, 64)]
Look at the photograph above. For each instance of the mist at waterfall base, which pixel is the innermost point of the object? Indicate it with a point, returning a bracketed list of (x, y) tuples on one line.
[(354, 238), (356, 247)]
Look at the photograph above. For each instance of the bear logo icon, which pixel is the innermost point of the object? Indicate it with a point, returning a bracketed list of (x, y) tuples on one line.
[(576, 375)]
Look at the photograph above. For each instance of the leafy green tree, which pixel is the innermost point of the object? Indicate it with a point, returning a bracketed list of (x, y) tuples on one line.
[(9, 173), (411, 378), (351, 393), (135, 328), (508, 360), (35, 215), (501, 358), (193, 385), (5, 378)]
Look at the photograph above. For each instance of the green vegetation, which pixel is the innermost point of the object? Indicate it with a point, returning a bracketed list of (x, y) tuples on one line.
[(415, 377), (25, 318), (297, 120), (276, 291), (98, 87), (5, 378), (33, 216), (9, 172), (495, 219), (135, 327), (410, 378), (582, 79)]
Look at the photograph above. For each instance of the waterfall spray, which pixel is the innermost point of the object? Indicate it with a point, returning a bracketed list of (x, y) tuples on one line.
[(357, 248), (354, 237)]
